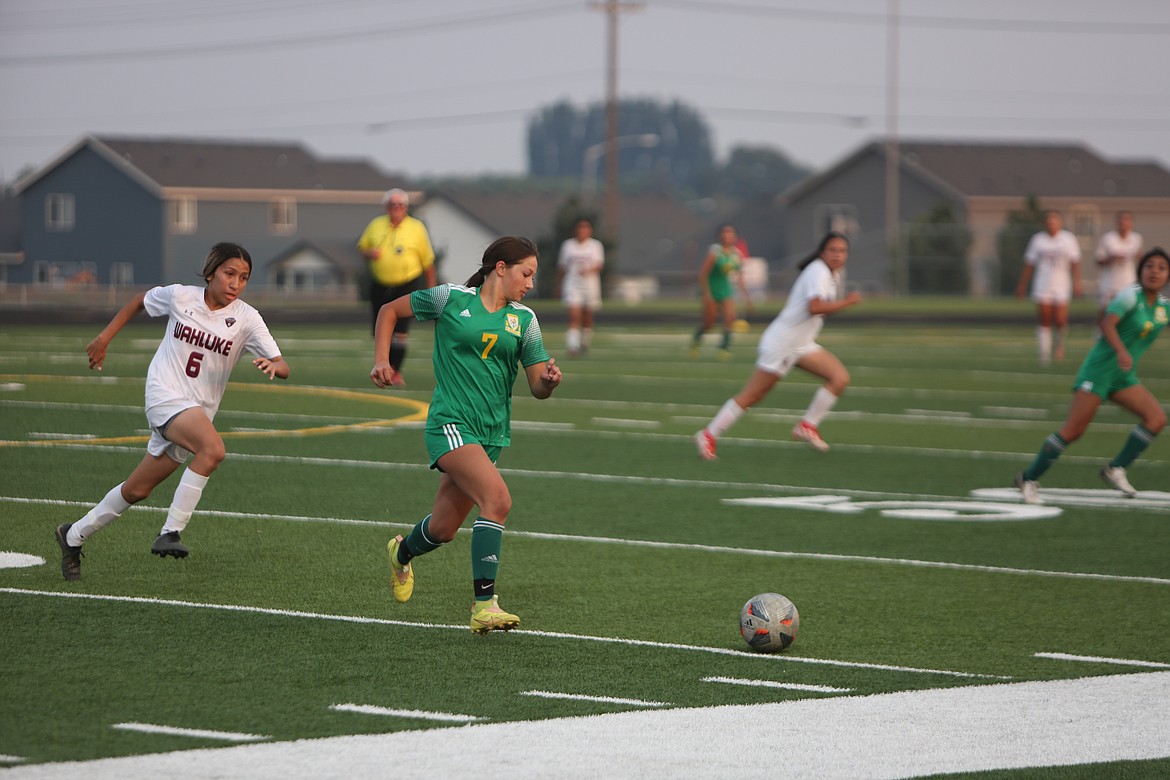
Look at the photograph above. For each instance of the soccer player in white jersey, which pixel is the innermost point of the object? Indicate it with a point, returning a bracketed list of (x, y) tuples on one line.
[(208, 329), (579, 276), (1117, 255), (1052, 263), (790, 340), (483, 335)]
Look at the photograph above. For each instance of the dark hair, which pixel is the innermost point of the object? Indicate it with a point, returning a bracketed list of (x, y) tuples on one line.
[(220, 254), (821, 248), (1155, 252), (508, 250)]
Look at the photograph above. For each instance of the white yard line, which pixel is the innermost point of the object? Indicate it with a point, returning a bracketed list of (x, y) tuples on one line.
[(371, 709), (649, 543), (1093, 659), (175, 731), (599, 699), (779, 685), (462, 627), (895, 735)]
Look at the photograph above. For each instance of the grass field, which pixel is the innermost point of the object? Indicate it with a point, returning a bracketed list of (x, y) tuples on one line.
[(626, 557)]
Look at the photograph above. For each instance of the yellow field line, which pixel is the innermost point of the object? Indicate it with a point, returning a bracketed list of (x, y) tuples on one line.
[(418, 411)]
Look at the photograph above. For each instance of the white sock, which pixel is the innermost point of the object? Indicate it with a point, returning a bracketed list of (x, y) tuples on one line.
[(186, 498), (107, 511), (822, 402), (726, 417), (573, 339), (1044, 339), (586, 337)]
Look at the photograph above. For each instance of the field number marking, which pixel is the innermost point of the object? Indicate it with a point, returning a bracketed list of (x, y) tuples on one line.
[(906, 510), (175, 731)]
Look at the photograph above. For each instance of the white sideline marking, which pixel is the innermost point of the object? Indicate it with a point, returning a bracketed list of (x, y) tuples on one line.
[(622, 422), (1145, 499), (524, 632), (652, 544), (1101, 660), (893, 735), (601, 699), (772, 684), (50, 436), (11, 759), (175, 731), (371, 709)]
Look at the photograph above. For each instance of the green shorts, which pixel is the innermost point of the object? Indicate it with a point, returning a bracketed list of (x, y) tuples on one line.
[(1103, 378), (452, 436)]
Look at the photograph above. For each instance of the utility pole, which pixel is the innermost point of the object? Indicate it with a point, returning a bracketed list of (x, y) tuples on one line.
[(893, 168), (612, 9)]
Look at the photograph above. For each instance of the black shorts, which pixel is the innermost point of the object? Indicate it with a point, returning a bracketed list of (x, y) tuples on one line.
[(380, 295)]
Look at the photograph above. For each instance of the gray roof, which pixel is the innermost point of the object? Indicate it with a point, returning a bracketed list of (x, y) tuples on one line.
[(222, 164), (971, 169), (1035, 169)]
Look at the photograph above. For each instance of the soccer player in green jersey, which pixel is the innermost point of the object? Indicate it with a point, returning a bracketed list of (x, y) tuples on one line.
[(1132, 321), (483, 334), (720, 268)]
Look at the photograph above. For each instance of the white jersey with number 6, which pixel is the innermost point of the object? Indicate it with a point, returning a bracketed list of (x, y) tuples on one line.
[(198, 351)]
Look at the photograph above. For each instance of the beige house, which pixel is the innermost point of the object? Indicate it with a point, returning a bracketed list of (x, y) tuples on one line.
[(983, 183)]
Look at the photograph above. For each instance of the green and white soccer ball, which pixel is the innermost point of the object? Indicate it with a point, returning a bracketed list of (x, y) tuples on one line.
[(769, 622)]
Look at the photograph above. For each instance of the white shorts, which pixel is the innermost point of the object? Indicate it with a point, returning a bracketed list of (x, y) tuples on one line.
[(779, 356), (158, 417), (585, 293), (1051, 299)]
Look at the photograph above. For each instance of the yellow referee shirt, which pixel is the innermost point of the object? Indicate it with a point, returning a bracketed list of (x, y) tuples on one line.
[(405, 250)]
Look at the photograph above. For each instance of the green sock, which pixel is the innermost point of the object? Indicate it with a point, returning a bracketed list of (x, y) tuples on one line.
[(1053, 447), (1135, 445), (418, 542), (698, 337), (486, 538), (726, 342)]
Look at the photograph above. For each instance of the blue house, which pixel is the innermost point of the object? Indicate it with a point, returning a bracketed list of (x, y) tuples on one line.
[(139, 211)]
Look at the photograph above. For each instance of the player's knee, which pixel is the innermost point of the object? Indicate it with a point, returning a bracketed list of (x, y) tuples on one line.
[(133, 492), (497, 507), (212, 455), (1155, 420)]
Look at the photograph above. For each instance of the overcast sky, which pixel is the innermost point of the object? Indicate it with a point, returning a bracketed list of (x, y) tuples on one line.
[(447, 87)]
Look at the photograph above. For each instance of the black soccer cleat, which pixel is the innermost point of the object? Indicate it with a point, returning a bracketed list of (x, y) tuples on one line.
[(169, 544), (70, 556)]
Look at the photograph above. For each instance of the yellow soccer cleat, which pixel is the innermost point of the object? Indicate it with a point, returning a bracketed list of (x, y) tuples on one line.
[(487, 616), (401, 577)]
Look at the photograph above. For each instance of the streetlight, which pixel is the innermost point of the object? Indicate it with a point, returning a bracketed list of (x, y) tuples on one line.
[(593, 155)]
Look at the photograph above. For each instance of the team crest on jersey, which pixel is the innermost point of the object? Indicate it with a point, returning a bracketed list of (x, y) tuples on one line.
[(230, 321), (512, 323)]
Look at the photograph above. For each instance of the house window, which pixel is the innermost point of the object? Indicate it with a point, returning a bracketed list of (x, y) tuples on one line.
[(836, 217), (58, 212), (122, 274), (184, 213), (42, 272), (1083, 221), (282, 216)]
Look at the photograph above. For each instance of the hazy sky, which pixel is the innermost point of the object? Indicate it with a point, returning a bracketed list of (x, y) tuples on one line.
[(448, 86)]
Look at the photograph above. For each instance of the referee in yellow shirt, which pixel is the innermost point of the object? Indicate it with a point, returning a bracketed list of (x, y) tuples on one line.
[(401, 259)]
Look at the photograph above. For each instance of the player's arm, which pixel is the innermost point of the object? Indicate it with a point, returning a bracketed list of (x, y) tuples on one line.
[(822, 306), (96, 349), (274, 367), (1025, 278), (543, 377), (1113, 338), (388, 317), (1076, 280), (704, 272)]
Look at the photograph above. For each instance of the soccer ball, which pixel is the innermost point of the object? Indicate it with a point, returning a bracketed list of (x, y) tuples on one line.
[(741, 326), (769, 622)]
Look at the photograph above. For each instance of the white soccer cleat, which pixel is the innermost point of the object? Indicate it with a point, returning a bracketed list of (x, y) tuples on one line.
[(1029, 489), (705, 444), (1114, 477), (808, 433)]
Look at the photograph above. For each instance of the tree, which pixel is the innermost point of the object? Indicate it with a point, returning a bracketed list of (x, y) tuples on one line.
[(755, 171), (936, 252), (549, 244), (1012, 242), (560, 135)]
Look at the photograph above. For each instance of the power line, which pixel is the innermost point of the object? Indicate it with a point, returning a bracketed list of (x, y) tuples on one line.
[(929, 22), (525, 12)]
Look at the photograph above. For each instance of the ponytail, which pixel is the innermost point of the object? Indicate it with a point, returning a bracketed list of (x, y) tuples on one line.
[(508, 250), (821, 248)]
